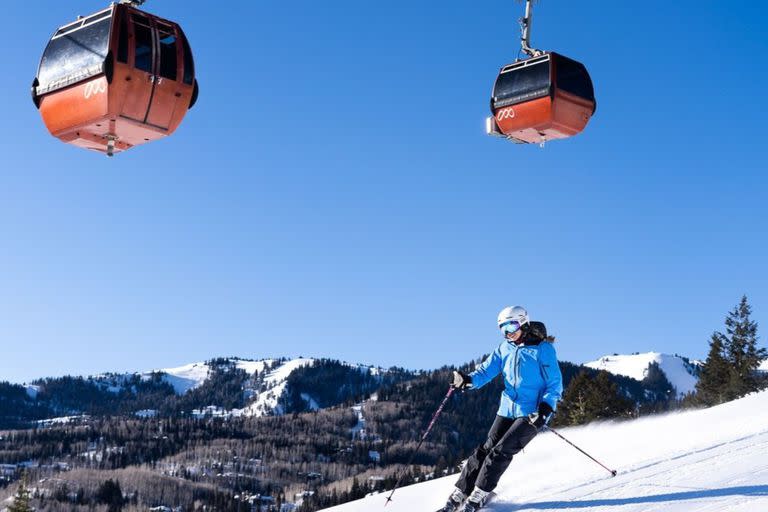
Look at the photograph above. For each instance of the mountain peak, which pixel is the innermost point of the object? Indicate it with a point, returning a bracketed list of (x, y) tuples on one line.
[(680, 371)]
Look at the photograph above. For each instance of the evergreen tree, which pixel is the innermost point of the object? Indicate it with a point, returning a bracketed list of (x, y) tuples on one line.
[(660, 394), (730, 370), (21, 502), (712, 388), (743, 351), (590, 398), (109, 493), (573, 409), (606, 400), (740, 343), (656, 382)]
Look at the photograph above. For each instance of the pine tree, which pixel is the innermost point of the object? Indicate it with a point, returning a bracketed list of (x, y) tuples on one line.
[(573, 409), (656, 381), (109, 493), (659, 393), (21, 502), (606, 400), (589, 398), (712, 388), (740, 343), (730, 371)]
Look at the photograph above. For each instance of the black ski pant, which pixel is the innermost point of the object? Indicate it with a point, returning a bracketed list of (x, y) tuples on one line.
[(489, 461)]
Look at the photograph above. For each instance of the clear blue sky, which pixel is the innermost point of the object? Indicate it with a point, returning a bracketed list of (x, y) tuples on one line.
[(333, 193)]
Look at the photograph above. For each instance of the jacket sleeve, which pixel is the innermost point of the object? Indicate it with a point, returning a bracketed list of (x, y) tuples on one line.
[(487, 370), (552, 376)]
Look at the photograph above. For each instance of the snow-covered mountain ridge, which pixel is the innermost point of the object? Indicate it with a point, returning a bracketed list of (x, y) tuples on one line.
[(699, 460), (681, 372), (264, 384), (190, 376), (265, 388), (226, 387)]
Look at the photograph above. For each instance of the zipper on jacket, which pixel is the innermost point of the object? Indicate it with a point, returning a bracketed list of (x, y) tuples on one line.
[(515, 372)]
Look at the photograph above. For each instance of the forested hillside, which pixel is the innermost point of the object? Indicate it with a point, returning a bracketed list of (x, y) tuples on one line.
[(338, 432)]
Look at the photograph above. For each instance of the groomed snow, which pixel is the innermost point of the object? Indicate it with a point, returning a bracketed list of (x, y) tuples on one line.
[(190, 376), (186, 377), (704, 461), (62, 420), (251, 367), (267, 402), (281, 373), (636, 367)]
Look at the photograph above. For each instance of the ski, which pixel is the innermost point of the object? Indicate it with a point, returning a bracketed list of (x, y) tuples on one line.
[(460, 507), (488, 500)]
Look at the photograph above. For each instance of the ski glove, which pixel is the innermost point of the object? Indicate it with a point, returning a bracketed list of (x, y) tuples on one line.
[(461, 381), (541, 417)]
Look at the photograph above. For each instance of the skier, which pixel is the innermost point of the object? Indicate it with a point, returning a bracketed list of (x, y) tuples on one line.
[(533, 385)]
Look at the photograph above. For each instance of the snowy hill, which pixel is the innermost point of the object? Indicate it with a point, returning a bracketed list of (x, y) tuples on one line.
[(185, 378), (193, 375), (679, 372), (264, 391), (275, 381), (704, 460), (221, 387)]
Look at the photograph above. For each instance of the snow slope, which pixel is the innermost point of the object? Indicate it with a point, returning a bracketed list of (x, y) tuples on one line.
[(186, 377), (636, 366), (263, 392), (267, 402), (705, 461), (251, 367), (764, 366)]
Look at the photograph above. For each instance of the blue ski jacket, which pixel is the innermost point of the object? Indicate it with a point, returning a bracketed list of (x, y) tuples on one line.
[(531, 376)]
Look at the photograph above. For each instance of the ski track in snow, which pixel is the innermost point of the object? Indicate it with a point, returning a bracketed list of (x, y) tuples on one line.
[(668, 485), (706, 460)]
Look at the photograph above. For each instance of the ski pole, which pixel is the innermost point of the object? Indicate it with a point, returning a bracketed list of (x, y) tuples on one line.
[(426, 433), (611, 471)]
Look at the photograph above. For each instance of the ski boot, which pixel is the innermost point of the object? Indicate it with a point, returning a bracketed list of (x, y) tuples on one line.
[(454, 501), (476, 501)]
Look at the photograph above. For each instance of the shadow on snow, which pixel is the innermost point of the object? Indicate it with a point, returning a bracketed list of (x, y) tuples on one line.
[(748, 490)]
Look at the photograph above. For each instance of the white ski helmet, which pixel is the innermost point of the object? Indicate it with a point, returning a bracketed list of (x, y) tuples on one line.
[(513, 314)]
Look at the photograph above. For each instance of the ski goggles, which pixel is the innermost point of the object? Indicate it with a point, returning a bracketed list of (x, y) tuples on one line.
[(510, 327)]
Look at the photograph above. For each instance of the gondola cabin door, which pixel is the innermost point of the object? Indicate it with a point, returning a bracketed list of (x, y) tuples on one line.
[(136, 41), (158, 73), (166, 75)]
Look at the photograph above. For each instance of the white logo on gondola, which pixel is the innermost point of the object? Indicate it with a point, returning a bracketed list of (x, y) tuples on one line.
[(93, 88), (505, 113)]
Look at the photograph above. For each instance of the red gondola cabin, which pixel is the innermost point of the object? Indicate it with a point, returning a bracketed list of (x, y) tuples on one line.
[(540, 99), (115, 79)]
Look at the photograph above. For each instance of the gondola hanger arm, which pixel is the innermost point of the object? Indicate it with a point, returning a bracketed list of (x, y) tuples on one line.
[(525, 28)]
